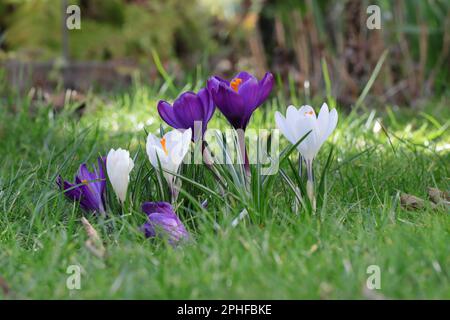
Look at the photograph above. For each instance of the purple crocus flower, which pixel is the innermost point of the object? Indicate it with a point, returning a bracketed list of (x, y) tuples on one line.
[(187, 109), (89, 187), (162, 221), (238, 98)]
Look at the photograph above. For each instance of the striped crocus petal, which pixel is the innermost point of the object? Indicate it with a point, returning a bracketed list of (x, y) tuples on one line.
[(163, 222), (88, 189)]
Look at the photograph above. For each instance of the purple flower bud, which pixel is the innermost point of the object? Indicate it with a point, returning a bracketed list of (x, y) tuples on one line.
[(163, 222)]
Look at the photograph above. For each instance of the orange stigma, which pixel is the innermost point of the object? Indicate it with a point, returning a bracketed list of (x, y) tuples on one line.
[(235, 83), (163, 144)]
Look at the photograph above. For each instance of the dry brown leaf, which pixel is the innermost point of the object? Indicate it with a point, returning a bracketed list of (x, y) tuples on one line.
[(93, 243), (4, 287), (411, 202), (438, 196), (313, 249)]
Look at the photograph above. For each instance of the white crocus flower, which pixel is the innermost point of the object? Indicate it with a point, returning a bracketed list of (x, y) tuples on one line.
[(170, 150), (118, 166), (299, 122)]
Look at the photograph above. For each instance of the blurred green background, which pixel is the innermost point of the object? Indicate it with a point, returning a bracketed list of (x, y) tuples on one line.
[(124, 40)]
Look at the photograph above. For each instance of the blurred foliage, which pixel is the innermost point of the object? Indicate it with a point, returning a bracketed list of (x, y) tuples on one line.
[(112, 29), (295, 39), (300, 36)]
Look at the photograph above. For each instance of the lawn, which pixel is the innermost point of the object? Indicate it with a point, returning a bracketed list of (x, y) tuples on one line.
[(278, 251)]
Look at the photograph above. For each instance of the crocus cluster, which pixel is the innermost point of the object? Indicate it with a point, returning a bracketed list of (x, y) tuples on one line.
[(189, 116)]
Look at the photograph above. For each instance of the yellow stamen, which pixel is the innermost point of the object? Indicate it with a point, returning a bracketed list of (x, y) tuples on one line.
[(310, 113), (235, 83), (84, 181), (163, 144)]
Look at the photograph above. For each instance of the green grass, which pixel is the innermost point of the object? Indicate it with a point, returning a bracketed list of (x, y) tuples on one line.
[(277, 252)]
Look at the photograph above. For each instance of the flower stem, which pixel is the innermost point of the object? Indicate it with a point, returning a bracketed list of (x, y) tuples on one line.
[(243, 154), (102, 210), (248, 173), (310, 184), (173, 195), (174, 188)]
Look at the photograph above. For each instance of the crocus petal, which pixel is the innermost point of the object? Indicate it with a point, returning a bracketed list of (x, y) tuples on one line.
[(162, 207), (165, 111), (207, 104), (214, 82), (332, 122), (283, 126), (322, 121), (186, 139), (91, 198), (249, 91), (72, 192), (293, 117), (231, 104), (176, 145), (148, 230), (118, 166), (265, 85), (165, 224), (309, 147), (244, 76), (153, 140), (188, 109), (155, 151), (305, 109)]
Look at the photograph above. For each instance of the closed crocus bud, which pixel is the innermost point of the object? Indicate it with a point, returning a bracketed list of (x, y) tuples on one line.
[(297, 123), (163, 222), (118, 166)]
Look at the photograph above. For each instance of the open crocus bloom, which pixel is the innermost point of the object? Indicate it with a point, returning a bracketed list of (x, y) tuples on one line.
[(299, 122), (163, 222), (118, 166), (187, 109), (88, 189), (170, 150), (238, 98)]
